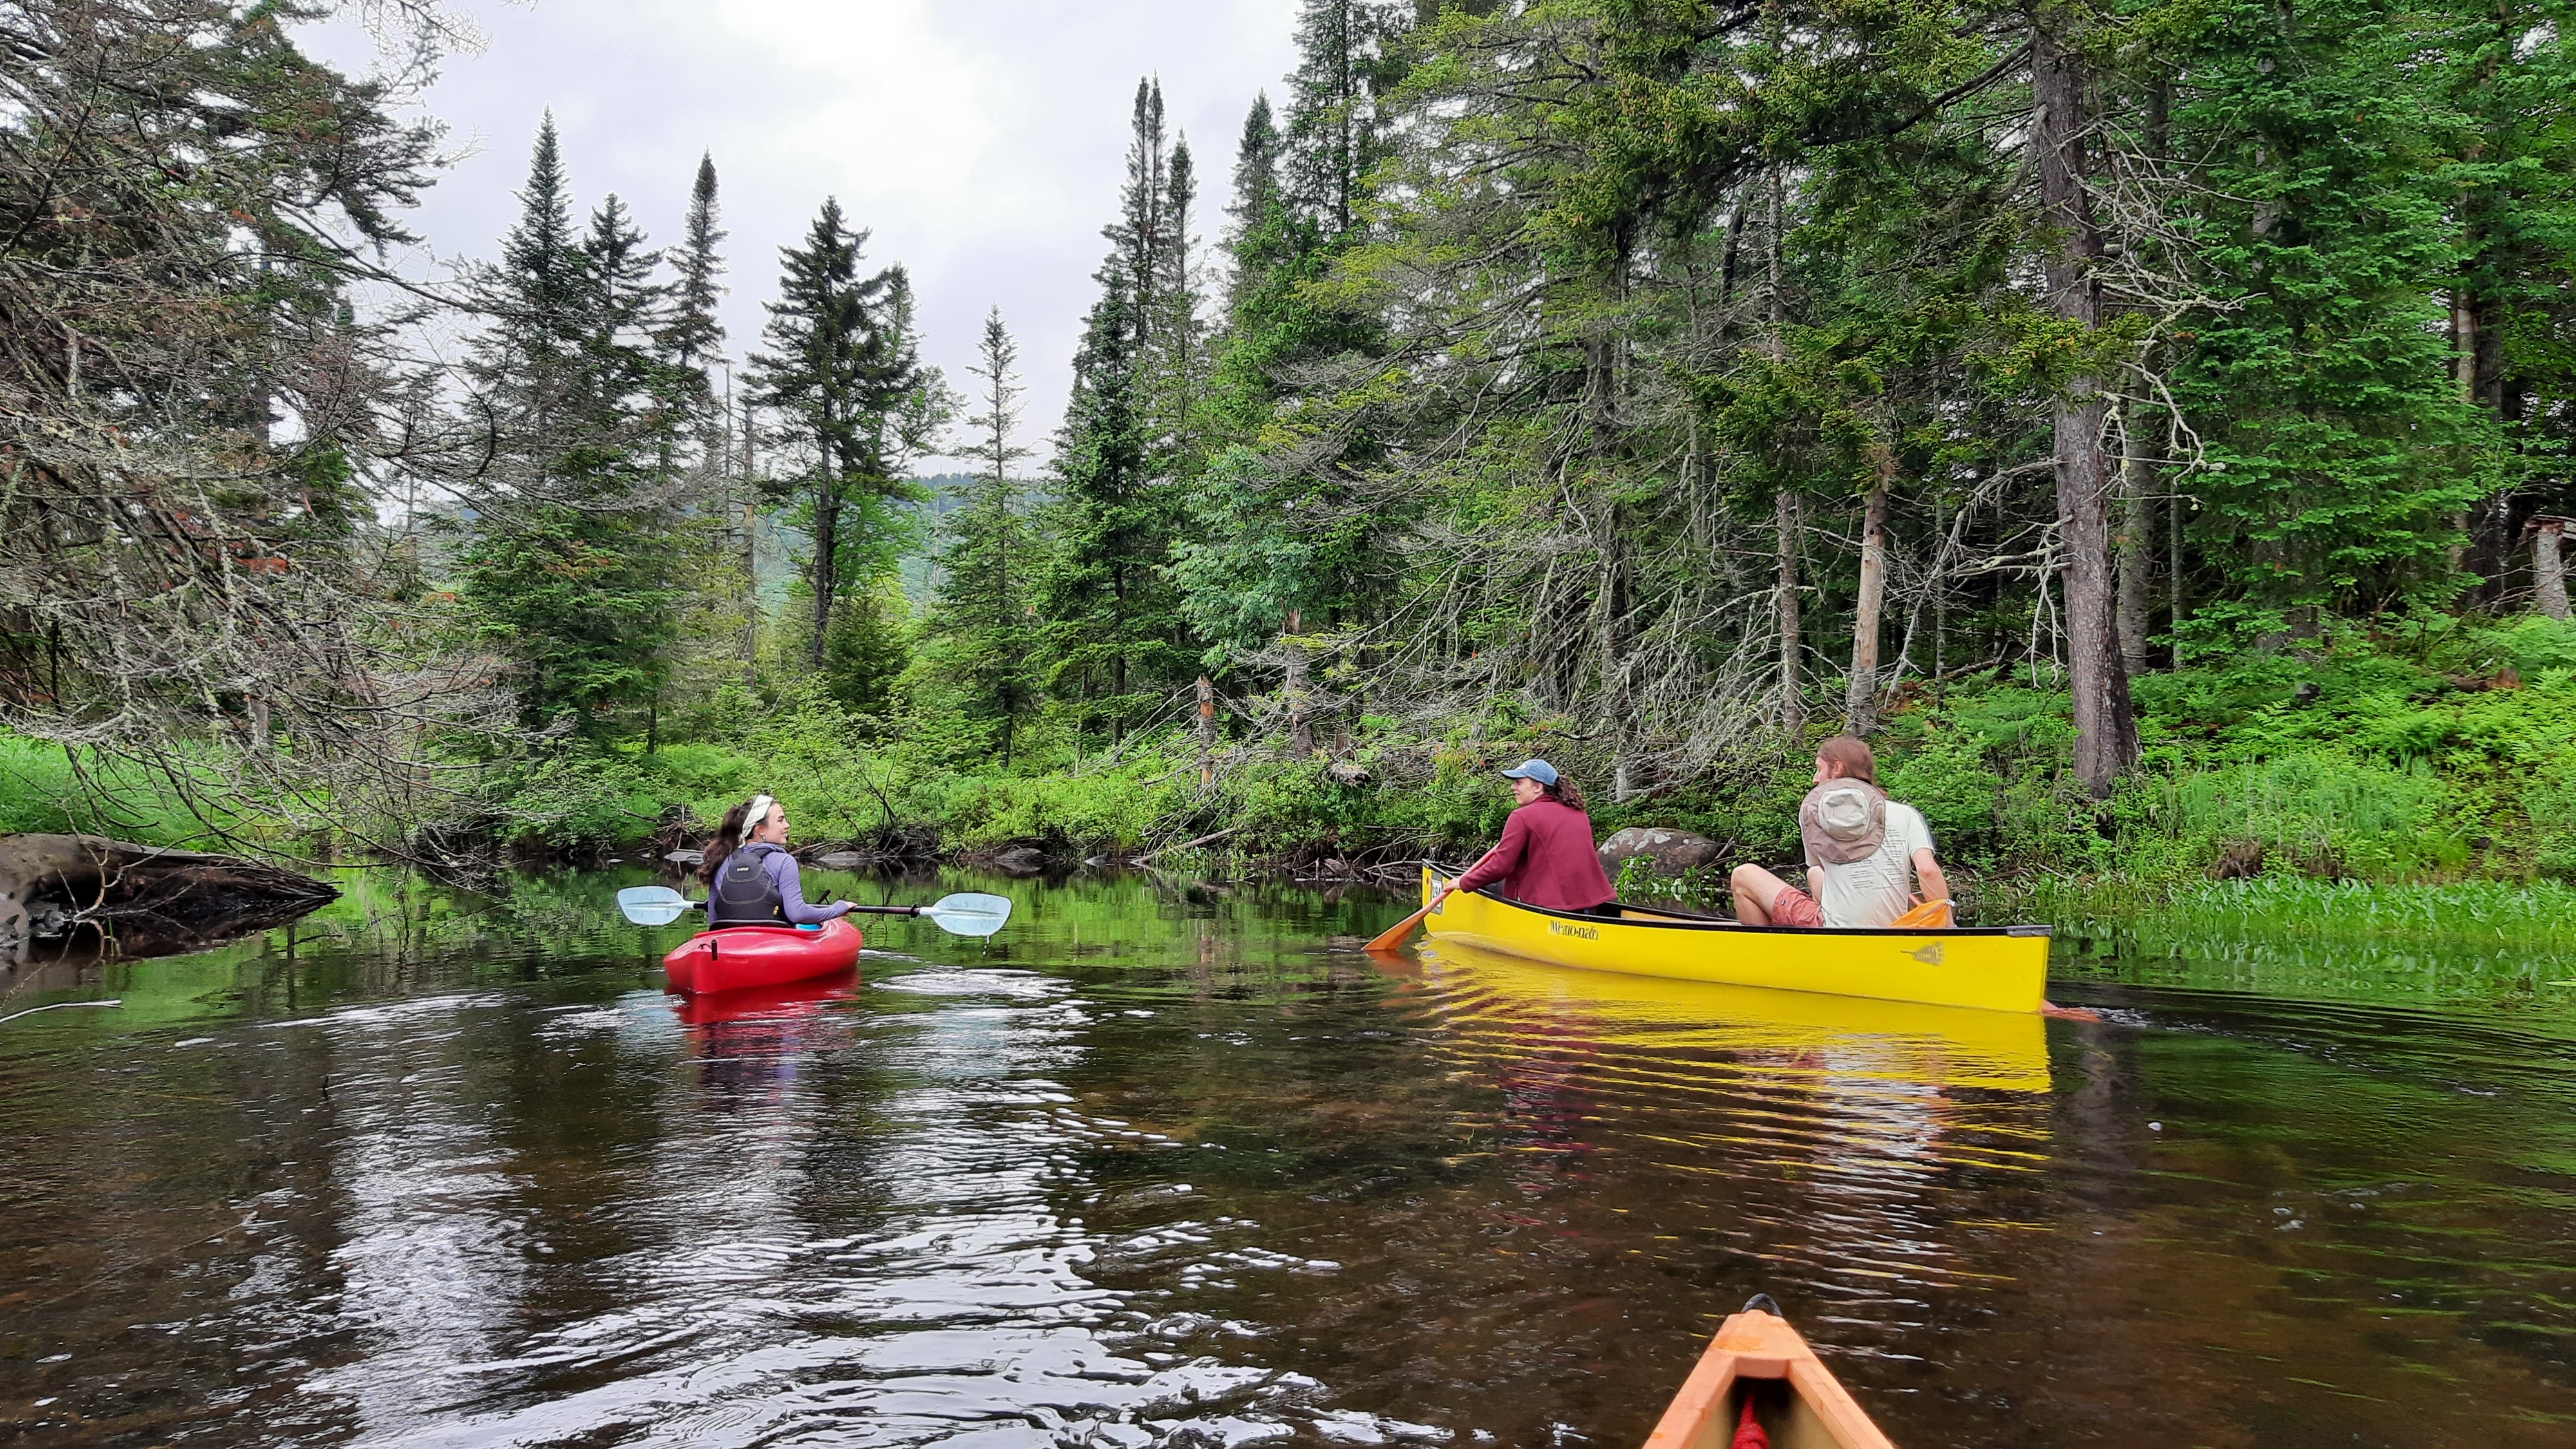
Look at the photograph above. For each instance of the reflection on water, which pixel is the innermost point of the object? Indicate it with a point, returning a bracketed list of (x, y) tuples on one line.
[(1166, 1166)]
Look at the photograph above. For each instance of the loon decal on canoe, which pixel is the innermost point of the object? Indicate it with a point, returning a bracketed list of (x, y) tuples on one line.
[(2003, 968)]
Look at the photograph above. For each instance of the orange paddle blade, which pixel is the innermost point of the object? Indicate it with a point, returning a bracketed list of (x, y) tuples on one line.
[(1394, 937)]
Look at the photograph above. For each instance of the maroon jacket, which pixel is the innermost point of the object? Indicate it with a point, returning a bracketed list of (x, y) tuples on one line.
[(1546, 859)]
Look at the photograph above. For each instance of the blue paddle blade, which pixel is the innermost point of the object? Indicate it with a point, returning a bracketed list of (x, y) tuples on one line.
[(970, 914), (653, 905)]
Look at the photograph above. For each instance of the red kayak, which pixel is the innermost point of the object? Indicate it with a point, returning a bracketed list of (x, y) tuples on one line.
[(767, 1004), (738, 958)]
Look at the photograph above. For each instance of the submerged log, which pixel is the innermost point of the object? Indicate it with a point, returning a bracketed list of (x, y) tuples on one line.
[(148, 901)]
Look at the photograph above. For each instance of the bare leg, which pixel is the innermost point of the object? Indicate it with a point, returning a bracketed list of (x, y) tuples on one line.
[(1756, 891)]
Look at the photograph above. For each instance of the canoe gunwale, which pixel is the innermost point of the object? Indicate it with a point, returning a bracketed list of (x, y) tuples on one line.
[(1992, 968), (1678, 921)]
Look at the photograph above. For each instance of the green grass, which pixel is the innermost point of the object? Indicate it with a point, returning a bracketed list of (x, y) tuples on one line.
[(40, 793)]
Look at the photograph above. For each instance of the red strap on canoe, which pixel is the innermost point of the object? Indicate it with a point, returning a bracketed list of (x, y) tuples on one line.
[(1749, 1435)]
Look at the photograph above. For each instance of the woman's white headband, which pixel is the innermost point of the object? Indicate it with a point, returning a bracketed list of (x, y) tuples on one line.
[(760, 808)]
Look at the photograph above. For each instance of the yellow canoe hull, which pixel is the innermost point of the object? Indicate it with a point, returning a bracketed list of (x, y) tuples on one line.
[(1852, 1038), (1990, 969)]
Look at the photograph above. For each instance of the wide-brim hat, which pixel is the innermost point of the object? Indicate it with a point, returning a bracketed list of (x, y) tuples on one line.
[(1842, 821)]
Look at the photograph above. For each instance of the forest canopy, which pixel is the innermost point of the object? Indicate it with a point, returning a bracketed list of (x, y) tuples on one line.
[(1679, 379)]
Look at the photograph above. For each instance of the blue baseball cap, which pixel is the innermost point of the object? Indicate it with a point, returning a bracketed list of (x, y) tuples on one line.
[(1539, 770)]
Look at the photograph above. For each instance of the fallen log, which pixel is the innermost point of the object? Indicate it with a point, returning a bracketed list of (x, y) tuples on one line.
[(147, 900)]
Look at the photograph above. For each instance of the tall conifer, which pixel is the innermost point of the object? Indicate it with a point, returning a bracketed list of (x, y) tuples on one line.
[(981, 625), (845, 373), (565, 568), (695, 337)]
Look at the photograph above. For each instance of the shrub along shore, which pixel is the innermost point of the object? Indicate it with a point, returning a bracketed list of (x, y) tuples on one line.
[(2406, 763)]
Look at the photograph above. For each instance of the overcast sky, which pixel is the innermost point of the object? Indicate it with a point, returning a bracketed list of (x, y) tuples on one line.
[(982, 141)]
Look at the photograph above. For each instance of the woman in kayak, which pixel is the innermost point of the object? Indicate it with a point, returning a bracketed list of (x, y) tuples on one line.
[(1546, 857), (751, 879)]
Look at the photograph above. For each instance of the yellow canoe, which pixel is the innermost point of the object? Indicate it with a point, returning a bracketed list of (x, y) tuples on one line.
[(2002, 968), (1757, 1360), (1854, 1038)]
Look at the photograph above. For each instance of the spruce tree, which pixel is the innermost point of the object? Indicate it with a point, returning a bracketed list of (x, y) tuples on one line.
[(565, 570), (2341, 440), (1335, 136), (694, 338), (845, 373), (1111, 625), (981, 626)]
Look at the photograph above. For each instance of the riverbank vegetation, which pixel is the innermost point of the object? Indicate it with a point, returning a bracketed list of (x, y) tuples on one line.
[(2149, 423)]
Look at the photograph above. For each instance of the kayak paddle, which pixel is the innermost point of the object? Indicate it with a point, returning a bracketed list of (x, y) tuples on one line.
[(959, 915), (654, 905)]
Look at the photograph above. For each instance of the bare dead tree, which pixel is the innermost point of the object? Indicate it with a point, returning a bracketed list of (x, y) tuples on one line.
[(196, 421)]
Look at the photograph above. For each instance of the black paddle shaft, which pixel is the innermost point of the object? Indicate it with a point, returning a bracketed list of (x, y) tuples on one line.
[(889, 910)]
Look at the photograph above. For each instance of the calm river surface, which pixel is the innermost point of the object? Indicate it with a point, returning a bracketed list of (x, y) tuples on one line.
[(1174, 1165)]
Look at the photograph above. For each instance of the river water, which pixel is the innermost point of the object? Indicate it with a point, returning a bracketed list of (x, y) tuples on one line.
[(1170, 1164)]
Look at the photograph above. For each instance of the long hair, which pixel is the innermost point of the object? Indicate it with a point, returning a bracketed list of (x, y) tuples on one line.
[(728, 840), (1566, 792), (1851, 755)]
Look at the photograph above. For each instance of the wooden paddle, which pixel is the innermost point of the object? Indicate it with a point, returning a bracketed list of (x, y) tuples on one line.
[(1393, 937)]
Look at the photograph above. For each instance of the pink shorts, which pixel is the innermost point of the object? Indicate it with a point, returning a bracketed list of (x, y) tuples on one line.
[(1794, 907)]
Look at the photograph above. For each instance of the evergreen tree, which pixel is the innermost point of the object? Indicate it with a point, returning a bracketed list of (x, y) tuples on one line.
[(1151, 242), (1111, 626), (1256, 168), (694, 338), (2512, 81), (1274, 534), (981, 626), (845, 372), (198, 414), (2341, 443), (565, 569), (1335, 135), (631, 395)]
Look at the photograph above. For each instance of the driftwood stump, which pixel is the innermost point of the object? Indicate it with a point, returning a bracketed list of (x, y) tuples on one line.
[(147, 900)]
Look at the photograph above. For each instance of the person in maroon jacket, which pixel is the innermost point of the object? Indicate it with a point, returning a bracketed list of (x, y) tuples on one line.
[(1547, 857)]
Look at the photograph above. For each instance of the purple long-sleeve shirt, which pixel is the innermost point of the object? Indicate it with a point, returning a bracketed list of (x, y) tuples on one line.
[(791, 888)]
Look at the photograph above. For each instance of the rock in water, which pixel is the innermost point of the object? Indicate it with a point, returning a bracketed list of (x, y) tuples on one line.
[(841, 860), (1671, 851), (148, 900), (687, 857), (1020, 860)]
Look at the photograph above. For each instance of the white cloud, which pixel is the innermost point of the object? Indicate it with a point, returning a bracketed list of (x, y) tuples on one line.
[(981, 140)]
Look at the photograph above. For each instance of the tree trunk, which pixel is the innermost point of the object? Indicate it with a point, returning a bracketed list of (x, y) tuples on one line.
[(2106, 737), (827, 539), (1793, 704), (147, 901), (750, 556), (2549, 568), (1207, 732), (2136, 543), (2173, 579), (1860, 698), (1301, 720), (2464, 370)]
